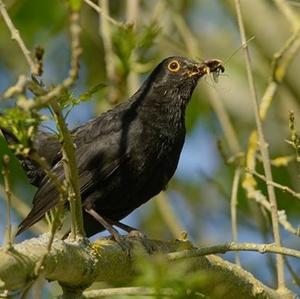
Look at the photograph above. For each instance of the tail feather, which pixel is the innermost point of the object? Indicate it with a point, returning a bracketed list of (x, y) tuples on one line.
[(36, 214)]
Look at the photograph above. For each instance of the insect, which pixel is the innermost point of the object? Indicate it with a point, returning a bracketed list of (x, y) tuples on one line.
[(216, 66)]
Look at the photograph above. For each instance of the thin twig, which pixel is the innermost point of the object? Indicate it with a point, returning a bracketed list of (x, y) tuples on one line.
[(293, 273), (71, 174), (15, 35), (39, 267), (223, 248), (46, 168), (23, 210), (261, 200), (167, 213), (109, 56), (280, 64), (132, 17), (233, 206), (288, 12), (68, 150), (295, 140), (16, 89), (274, 184), (263, 149), (5, 173), (101, 12), (44, 99)]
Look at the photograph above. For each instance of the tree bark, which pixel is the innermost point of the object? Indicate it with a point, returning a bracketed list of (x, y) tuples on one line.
[(77, 265)]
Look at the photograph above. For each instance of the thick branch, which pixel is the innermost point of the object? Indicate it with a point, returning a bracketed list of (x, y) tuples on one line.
[(77, 265)]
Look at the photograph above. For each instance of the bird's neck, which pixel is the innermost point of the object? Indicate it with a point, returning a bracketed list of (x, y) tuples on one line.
[(165, 109)]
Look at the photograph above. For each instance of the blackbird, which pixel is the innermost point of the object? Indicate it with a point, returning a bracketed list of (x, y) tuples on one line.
[(126, 155)]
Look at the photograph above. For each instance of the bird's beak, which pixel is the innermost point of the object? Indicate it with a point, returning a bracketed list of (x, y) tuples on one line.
[(206, 67)]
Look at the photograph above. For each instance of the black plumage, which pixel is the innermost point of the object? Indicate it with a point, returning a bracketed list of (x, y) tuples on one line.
[(126, 155)]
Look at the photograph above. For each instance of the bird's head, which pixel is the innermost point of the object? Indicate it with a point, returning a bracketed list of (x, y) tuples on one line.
[(179, 75)]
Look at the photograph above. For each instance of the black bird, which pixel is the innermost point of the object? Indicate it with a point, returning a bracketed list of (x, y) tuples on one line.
[(126, 155)]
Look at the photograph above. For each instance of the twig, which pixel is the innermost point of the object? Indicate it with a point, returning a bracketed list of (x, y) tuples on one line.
[(287, 12), (54, 226), (16, 89), (261, 200), (281, 61), (233, 206), (68, 151), (101, 12), (294, 275), (15, 35), (46, 168), (5, 173), (167, 213), (23, 209), (280, 64), (132, 17), (263, 149), (274, 184), (295, 140), (261, 248), (109, 56), (71, 174), (44, 99)]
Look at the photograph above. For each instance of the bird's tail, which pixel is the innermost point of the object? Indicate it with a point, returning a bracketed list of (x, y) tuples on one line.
[(36, 214), (30, 220)]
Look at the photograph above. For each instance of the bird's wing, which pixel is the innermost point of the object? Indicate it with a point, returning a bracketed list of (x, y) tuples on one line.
[(98, 154), (46, 145)]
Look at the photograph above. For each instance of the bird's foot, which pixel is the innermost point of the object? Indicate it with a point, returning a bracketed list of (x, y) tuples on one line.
[(122, 242), (108, 226)]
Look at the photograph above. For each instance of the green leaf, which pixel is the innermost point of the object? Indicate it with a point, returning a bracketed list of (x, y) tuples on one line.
[(124, 42), (88, 94), (23, 124), (148, 35)]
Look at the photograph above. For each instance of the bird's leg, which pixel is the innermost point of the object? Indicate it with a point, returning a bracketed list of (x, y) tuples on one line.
[(133, 232), (121, 225), (105, 224)]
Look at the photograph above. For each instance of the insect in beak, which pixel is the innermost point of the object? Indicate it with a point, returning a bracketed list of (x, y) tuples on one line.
[(214, 66)]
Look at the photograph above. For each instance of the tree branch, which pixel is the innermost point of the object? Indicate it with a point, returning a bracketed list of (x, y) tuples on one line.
[(76, 265)]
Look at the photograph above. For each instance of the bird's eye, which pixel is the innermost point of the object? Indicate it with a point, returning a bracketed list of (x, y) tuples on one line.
[(174, 66)]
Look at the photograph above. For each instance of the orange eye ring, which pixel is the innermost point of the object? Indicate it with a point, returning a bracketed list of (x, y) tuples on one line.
[(174, 66)]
